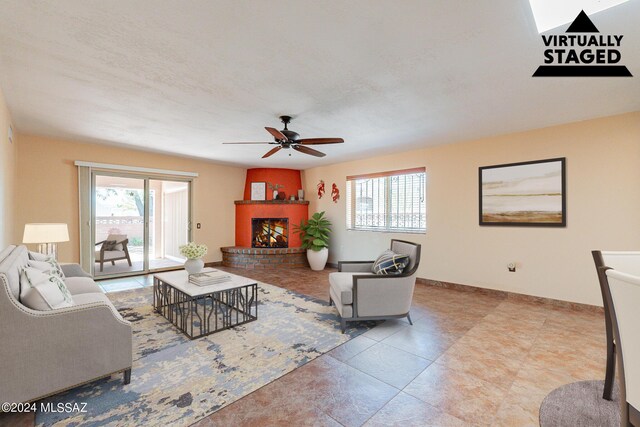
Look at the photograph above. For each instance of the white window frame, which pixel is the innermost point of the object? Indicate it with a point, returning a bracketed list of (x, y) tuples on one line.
[(388, 196)]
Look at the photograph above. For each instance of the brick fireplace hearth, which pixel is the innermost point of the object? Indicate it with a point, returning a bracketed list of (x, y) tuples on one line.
[(263, 258)]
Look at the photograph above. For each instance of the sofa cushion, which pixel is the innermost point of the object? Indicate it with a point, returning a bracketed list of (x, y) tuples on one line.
[(94, 297), (345, 310), (74, 270), (11, 265), (43, 291), (81, 285), (342, 284), (390, 263), (6, 251), (90, 298)]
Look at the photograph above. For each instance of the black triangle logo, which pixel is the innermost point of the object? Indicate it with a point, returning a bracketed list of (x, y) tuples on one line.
[(582, 24)]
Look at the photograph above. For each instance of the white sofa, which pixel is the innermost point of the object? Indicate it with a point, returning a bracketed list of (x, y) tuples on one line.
[(45, 352)]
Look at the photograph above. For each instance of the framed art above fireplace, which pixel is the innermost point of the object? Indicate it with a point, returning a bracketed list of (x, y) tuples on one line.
[(258, 191)]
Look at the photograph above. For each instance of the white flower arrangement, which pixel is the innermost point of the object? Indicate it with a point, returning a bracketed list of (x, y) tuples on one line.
[(193, 251)]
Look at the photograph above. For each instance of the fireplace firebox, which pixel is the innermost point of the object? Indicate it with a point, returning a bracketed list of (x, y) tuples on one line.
[(269, 232)]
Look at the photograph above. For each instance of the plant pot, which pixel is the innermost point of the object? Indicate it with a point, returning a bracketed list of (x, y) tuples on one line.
[(317, 259), (194, 266)]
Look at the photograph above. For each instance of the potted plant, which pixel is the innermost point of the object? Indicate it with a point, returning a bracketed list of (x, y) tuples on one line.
[(194, 253), (315, 239)]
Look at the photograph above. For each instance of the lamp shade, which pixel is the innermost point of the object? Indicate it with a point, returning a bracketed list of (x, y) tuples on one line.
[(45, 233)]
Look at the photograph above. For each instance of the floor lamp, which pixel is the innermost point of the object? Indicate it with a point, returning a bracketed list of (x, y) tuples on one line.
[(46, 236)]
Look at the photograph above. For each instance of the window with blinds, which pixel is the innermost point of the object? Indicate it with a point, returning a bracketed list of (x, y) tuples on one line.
[(392, 201)]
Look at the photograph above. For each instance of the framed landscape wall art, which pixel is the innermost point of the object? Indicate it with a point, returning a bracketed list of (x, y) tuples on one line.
[(524, 194)]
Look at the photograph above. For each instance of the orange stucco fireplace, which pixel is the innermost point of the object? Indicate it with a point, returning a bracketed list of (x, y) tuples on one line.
[(246, 210), (287, 212)]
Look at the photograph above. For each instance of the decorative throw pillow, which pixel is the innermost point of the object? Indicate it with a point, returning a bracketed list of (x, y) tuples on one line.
[(384, 254), (41, 291), (37, 256), (43, 266), (110, 245), (38, 260), (390, 263)]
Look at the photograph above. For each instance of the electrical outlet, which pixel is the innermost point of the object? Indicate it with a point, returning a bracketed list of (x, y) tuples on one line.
[(512, 267)]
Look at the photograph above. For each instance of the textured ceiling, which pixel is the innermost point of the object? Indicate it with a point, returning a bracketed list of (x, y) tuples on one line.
[(183, 77)]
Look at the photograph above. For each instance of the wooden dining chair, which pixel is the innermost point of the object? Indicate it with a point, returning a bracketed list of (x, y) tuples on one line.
[(625, 296), (611, 346)]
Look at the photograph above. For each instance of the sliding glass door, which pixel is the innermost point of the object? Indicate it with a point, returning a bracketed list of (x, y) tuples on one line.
[(119, 225), (168, 222), (138, 223)]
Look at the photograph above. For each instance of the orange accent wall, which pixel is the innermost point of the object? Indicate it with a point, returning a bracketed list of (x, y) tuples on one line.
[(292, 182), (290, 178), (244, 213)]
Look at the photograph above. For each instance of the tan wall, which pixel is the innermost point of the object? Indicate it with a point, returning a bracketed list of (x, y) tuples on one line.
[(603, 209), (8, 176), (48, 188)]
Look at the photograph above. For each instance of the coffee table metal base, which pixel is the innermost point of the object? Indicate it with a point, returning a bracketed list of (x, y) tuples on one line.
[(198, 316)]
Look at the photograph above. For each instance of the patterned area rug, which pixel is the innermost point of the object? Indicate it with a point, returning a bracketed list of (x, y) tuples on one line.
[(177, 381)]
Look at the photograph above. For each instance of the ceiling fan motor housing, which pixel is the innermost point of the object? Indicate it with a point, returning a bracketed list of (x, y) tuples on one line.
[(291, 135)]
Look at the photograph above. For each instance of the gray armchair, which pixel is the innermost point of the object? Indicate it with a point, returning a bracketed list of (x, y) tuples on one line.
[(358, 294)]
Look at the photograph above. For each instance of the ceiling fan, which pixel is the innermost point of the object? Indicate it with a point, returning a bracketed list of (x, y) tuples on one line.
[(286, 138)]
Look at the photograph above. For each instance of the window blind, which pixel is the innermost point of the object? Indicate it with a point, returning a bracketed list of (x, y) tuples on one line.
[(393, 201)]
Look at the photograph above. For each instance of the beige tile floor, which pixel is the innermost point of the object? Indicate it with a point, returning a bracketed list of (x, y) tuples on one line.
[(469, 359)]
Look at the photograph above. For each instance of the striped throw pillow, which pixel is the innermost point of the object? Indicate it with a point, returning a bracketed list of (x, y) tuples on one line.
[(390, 263)]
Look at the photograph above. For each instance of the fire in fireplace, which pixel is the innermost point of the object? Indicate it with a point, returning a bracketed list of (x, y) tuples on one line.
[(270, 233)]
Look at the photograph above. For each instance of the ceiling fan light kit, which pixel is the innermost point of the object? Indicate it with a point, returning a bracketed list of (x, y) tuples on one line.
[(287, 139)]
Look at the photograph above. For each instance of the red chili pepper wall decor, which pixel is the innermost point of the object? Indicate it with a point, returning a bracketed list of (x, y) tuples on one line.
[(320, 189), (335, 193)]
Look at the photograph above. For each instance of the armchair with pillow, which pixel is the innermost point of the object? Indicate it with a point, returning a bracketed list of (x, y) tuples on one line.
[(112, 249), (376, 290)]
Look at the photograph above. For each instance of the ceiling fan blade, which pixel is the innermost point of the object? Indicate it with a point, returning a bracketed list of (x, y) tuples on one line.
[(316, 141), (307, 150), (272, 152), (276, 134), (248, 143)]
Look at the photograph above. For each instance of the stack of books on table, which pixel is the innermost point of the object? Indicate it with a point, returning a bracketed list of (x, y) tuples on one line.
[(209, 278)]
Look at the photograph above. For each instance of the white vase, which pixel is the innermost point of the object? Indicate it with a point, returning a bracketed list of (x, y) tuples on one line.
[(317, 259), (194, 266)]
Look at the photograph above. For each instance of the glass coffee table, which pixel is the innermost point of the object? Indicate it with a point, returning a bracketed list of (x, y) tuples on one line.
[(198, 311)]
